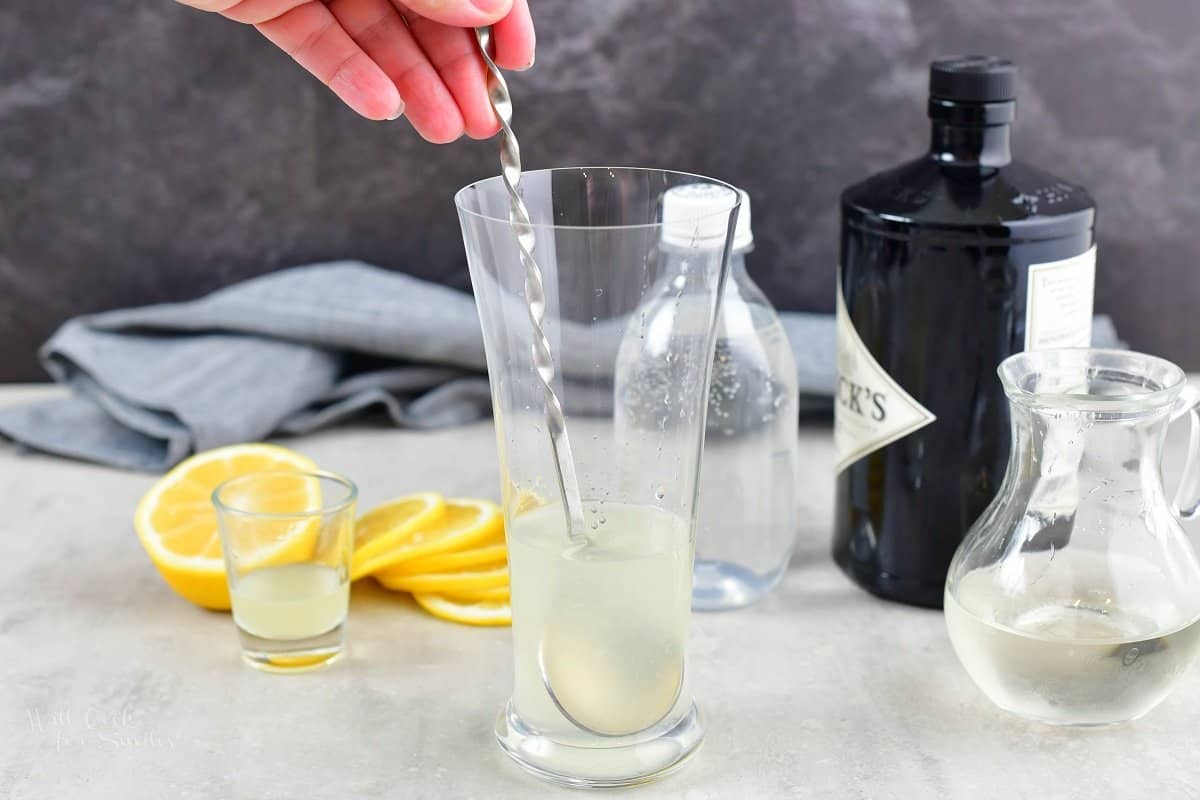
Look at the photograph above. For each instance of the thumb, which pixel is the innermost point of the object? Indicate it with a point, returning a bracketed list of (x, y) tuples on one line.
[(461, 13)]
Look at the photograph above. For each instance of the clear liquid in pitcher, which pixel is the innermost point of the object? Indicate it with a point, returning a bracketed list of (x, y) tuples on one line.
[(1061, 658)]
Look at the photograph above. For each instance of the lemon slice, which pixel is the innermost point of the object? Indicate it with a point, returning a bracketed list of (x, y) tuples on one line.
[(177, 525), (481, 612), (453, 561), (465, 524), (446, 582), (495, 593), (391, 525)]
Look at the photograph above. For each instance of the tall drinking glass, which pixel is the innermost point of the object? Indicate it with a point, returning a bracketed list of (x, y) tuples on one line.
[(600, 614)]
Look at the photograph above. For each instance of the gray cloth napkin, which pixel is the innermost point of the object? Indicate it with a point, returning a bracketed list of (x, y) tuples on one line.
[(290, 352)]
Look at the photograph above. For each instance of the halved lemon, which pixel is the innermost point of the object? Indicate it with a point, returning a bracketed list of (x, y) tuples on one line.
[(177, 525), (465, 523), (453, 561), (481, 612), (280, 528), (393, 524), (446, 582)]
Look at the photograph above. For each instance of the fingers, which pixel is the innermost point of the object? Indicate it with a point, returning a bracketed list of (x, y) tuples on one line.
[(382, 34), (311, 35), (515, 39), (252, 12), (454, 53), (209, 5), (461, 13), (382, 57)]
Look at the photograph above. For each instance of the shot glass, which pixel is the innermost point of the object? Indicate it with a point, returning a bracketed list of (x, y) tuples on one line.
[(287, 539)]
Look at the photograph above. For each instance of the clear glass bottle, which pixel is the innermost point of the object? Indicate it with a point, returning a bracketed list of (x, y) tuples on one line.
[(747, 512)]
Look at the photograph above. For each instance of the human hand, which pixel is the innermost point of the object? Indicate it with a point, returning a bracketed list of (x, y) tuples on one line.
[(385, 58)]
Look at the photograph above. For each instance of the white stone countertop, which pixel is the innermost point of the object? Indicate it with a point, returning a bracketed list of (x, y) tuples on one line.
[(113, 687)]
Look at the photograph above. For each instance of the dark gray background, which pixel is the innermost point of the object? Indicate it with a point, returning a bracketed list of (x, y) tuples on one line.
[(149, 152)]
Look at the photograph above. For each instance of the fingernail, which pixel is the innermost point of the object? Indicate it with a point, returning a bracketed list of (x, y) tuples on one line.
[(529, 66), (399, 113), (490, 6)]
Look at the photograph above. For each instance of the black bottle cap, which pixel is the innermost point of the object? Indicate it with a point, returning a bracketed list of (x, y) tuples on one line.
[(973, 79)]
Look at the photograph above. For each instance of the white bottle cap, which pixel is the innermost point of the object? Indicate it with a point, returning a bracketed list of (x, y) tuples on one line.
[(692, 216)]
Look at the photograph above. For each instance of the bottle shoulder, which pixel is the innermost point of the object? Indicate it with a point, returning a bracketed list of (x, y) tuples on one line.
[(741, 288), (1016, 200)]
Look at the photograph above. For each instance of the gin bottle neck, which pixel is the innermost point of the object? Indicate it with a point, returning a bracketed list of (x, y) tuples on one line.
[(971, 134), (971, 146)]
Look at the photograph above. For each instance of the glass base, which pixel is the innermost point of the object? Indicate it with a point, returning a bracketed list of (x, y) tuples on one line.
[(724, 586), (1065, 719), (599, 767), (292, 655), (1082, 725)]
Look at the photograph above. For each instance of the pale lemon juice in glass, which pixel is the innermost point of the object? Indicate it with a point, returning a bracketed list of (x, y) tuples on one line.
[(287, 538), (600, 626)]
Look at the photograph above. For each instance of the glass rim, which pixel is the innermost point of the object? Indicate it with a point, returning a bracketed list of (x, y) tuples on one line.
[(737, 203), (1152, 395), (341, 505)]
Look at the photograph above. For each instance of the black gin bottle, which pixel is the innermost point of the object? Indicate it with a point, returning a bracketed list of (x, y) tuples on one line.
[(949, 263)]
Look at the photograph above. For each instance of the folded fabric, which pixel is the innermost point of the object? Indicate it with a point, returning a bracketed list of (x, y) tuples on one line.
[(290, 352)]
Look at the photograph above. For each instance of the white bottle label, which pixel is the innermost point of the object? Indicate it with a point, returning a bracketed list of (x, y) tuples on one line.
[(871, 410), (1058, 303)]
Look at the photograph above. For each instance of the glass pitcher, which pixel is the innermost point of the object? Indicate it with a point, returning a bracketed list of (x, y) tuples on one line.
[(1075, 598), (600, 616)]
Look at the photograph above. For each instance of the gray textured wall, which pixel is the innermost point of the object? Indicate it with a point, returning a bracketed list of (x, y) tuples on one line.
[(148, 152)]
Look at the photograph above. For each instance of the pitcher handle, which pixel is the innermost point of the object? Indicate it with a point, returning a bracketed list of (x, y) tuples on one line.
[(1189, 485)]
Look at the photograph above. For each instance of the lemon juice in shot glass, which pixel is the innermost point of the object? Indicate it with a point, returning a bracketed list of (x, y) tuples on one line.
[(287, 538)]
